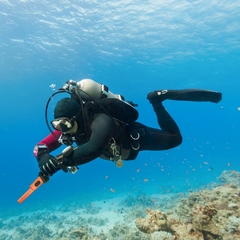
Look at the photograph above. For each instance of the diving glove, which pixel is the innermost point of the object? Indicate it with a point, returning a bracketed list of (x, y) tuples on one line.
[(47, 164)]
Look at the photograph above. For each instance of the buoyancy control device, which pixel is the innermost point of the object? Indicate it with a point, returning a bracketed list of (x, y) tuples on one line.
[(104, 101)]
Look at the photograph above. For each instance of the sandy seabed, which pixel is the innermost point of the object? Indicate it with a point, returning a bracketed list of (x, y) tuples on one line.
[(206, 214)]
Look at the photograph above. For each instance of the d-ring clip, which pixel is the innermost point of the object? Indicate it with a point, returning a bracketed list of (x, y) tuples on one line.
[(135, 138), (137, 147)]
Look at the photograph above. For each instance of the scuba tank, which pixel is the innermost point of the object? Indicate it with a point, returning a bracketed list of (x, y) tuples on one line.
[(90, 90), (102, 99)]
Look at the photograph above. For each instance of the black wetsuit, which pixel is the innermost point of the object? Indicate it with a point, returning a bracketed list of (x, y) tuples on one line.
[(103, 128), (101, 135)]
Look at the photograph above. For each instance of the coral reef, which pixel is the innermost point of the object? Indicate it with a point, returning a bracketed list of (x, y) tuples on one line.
[(208, 214), (229, 177), (123, 232), (137, 205), (154, 221), (159, 224), (161, 235), (79, 233)]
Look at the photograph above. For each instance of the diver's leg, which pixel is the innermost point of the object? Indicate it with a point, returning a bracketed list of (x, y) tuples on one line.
[(198, 95), (165, 121), (168, 137)]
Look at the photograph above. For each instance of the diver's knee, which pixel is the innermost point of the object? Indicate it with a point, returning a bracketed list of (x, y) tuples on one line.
[(180, 139)]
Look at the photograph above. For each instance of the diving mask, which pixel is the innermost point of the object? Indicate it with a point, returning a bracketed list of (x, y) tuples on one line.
[(65, 125)]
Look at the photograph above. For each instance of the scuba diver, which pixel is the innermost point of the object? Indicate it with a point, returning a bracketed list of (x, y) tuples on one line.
[(93, 122)]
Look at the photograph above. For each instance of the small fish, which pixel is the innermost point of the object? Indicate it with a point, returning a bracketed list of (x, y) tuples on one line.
[(112, 190), (138, 170), (210, 169), (229, 164), (205, 163), (145, 180)]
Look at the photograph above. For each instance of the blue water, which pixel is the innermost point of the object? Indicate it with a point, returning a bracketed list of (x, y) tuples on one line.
[(133, 47)]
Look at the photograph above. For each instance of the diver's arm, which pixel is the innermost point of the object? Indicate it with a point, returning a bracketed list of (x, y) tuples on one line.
[(102, 129), (50, 143)]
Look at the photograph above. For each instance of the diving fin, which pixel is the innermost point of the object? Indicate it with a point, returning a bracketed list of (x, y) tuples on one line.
[(197, 95)]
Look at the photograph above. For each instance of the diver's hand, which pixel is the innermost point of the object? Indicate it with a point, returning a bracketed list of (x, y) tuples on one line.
[(47, 164)]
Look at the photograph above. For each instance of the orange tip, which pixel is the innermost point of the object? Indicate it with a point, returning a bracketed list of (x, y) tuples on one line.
[(34, 186)]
